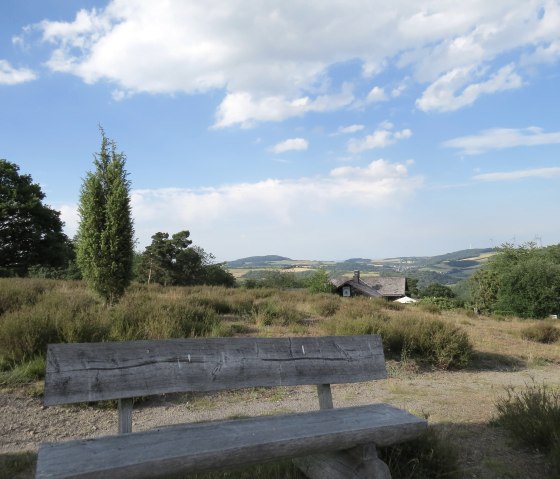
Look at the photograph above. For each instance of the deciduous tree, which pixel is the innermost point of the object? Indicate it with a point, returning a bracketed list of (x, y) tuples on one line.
[(522, 280), (30, 231)]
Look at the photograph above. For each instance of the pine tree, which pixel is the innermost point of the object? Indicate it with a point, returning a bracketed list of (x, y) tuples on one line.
[(105, 243)]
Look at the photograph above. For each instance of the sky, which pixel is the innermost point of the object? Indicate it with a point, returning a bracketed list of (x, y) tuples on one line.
[(319, 130)]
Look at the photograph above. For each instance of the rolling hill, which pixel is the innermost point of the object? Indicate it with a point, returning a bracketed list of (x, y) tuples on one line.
[(448, 268)]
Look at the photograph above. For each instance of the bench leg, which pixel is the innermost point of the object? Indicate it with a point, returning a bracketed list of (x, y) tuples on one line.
[(358, 463)]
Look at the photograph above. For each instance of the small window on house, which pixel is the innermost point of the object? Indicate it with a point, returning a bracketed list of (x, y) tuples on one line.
[(346, 291)]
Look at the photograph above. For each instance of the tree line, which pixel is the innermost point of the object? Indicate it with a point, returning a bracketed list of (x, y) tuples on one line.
[(32, 241)]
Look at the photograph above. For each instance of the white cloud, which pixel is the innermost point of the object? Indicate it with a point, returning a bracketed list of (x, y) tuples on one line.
[(283, 204), (274, 57), (380, 138), (242, 109), (519, 174), (501, 138), (542, 54), (344, 130), (293, 144), (12, 76), (376, 94), (268, 208), (456, 89), (400, 88)]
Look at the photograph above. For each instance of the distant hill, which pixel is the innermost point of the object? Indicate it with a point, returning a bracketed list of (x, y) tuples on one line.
[(447, 268), (257, 261)]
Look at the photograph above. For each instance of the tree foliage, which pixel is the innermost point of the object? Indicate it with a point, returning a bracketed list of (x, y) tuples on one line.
[(173, 261), (436, 290), (411, 286), (523, 280), (105, 237), (320, 282), (30, 231)]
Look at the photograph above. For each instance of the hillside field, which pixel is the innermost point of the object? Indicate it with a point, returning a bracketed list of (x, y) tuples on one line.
[(447, 268)]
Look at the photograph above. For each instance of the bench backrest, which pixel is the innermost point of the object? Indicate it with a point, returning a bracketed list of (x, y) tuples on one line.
[(113, 370)]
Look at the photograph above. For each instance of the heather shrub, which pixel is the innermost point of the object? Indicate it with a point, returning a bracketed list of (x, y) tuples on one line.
[(532, 416), (542, 333), (393, 306), (431, 340), (157, 316), (18, 292), (278, 313), (59, 316), (326, 304)]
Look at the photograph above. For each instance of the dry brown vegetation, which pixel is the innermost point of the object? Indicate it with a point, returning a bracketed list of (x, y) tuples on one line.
[(459, 403)]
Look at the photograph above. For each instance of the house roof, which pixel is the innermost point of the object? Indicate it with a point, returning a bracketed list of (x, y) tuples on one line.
[(360, 285), (376, 286), (387, 286)]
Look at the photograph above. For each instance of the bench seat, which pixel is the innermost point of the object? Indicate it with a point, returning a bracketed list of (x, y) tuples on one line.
[(214, 445)]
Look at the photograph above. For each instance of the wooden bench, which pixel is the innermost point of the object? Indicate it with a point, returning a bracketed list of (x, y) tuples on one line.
[(327, 443)]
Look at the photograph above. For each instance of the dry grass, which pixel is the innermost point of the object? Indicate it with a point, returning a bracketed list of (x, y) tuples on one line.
[(459, 404), (491, 337)]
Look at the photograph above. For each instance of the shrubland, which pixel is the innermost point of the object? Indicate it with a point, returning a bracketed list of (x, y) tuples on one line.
[(35, 312)]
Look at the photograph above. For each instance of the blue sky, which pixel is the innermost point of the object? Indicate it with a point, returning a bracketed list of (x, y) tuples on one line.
[(315, 130)]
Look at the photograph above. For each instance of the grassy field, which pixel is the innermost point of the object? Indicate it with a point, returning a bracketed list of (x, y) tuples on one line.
[(451, 366)]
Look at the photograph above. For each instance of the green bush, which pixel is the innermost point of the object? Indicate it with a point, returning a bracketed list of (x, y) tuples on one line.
[(319, 282), (441, 304), (542, 333), (532, 416)]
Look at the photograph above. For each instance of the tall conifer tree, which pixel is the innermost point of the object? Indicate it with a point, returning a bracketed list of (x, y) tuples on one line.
[(105, 243)]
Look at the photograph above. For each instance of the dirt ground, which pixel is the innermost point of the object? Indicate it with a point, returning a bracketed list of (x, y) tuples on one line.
[(459, 403)]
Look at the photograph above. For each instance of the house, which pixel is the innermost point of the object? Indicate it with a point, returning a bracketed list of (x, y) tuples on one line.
[(389, 288)]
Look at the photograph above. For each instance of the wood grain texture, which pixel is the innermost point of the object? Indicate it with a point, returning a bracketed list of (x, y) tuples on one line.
[(97, 371), (325, 396), (125, 415), (216, 445)]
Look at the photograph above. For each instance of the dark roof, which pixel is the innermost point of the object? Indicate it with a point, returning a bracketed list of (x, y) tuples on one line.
[(387, 286), (376, 286)]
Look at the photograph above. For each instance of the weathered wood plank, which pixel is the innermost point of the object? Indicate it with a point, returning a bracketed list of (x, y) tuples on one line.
[(217, 445), (325, 396), (97, 371), (125, 415)]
